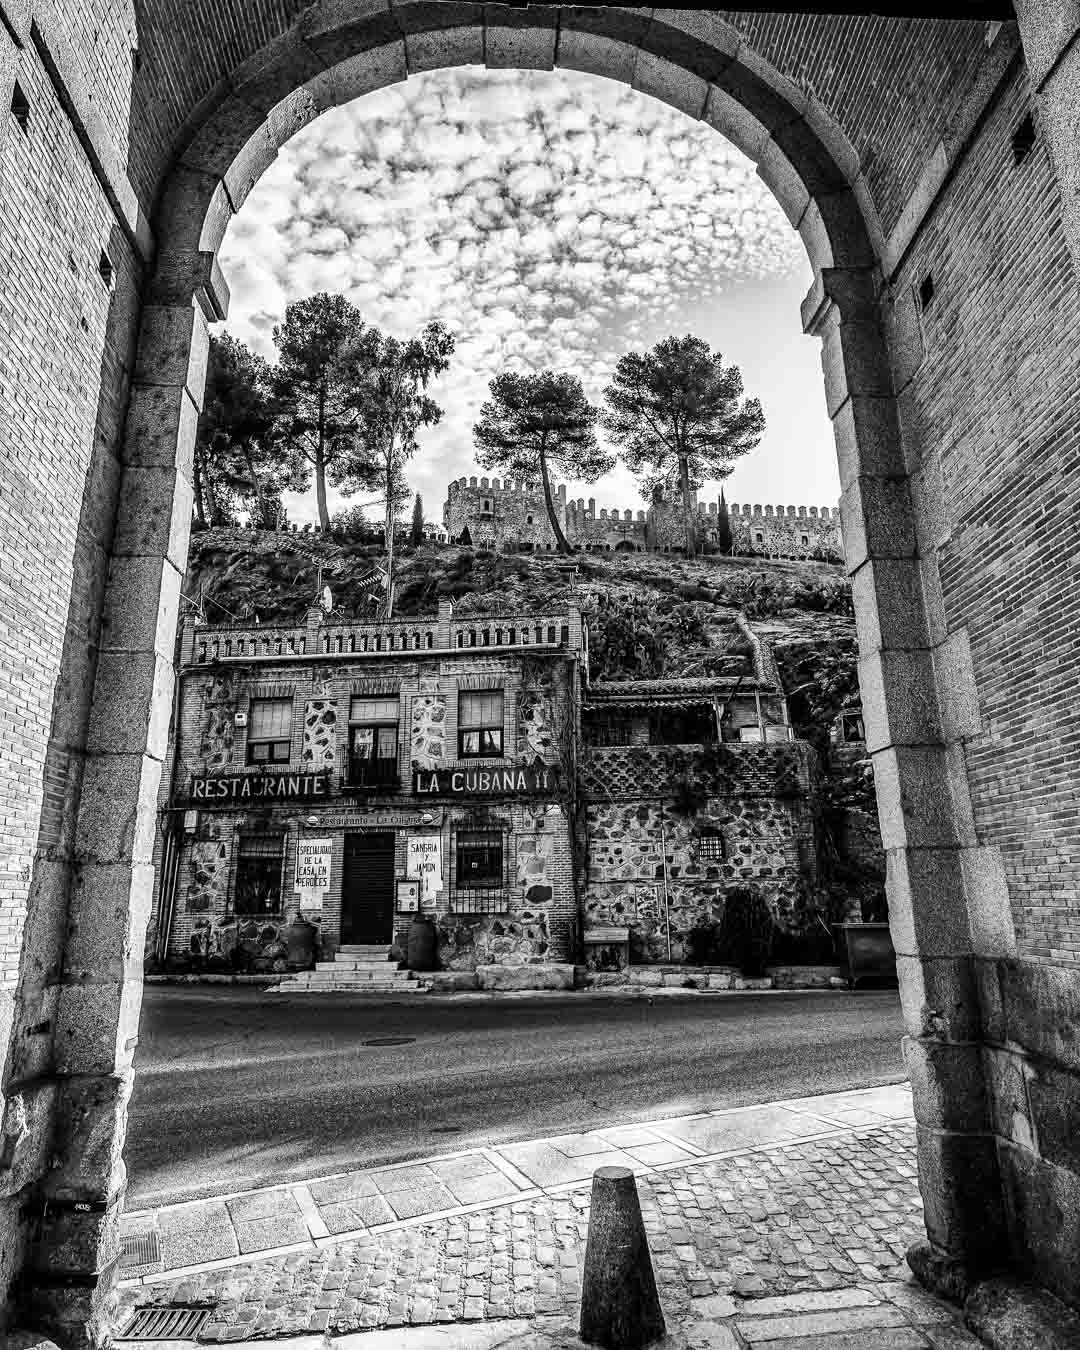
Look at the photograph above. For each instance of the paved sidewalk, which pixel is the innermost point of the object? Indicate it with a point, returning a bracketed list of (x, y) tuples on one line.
[(782, 1225)]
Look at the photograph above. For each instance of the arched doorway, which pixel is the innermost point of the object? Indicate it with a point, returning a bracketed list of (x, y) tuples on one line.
[(700, 64)]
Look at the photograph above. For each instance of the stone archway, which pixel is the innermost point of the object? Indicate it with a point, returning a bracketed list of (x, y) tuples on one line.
[(917, 690)]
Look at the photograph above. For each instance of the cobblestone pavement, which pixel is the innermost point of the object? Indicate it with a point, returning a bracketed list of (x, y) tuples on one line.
[(782, 1242), (303, 1217)]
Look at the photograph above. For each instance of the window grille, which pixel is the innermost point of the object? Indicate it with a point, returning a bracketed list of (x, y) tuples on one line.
[(258, 874), (479, 872), (480, 723), (269, 731), (711, 846)]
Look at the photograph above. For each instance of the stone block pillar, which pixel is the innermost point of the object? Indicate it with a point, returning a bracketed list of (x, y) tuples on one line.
[(919, 702), (70, 1274), (1050, 33)]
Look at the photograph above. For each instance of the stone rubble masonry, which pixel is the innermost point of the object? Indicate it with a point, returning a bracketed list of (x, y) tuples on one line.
[(541, 909), (892, 147)]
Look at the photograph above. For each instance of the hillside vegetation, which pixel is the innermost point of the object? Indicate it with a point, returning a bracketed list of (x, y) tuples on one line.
[(652, 615)]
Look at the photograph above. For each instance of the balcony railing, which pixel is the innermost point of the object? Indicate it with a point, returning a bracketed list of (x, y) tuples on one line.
[(247, 643), (364, 773)]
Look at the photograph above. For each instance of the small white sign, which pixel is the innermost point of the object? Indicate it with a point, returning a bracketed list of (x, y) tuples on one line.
[(423, 860), (313, 858)]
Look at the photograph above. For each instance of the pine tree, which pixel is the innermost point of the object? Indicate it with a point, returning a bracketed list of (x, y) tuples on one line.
[(416, 530), (680, 417), (533, 424)]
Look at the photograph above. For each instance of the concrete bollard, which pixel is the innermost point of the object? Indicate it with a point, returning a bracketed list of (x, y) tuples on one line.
[(620, 1308)]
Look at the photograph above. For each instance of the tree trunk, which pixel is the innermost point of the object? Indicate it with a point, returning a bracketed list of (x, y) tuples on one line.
[(256, 483), (688, 509), (197, 484), (561, 541), (320, 465), (389, 529), (320, 488)]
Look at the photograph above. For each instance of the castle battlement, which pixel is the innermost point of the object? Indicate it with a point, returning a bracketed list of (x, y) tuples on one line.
[(505, 513)]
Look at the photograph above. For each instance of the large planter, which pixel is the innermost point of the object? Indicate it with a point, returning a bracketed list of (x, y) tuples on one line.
[(422, 944), (300, 943), (869, 950)]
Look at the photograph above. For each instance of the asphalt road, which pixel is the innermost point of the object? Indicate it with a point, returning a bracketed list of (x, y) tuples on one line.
[(236, 1088)]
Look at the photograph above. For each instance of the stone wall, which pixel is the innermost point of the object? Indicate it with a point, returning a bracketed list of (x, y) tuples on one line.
[(768, 844), (762, 799)]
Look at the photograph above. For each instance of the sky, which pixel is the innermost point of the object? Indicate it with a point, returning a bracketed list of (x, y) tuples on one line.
[(550, 220)]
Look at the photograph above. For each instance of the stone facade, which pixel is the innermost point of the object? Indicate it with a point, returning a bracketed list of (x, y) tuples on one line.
[(931, 170), (498, 515), (529, 917)]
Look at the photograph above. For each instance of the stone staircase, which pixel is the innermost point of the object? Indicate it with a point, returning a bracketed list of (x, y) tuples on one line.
[(356, 968)]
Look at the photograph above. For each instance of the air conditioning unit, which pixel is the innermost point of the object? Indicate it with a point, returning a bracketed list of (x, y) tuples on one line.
[(240, 720)]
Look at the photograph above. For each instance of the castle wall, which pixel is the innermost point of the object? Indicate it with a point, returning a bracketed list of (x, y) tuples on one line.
[(501, 515)]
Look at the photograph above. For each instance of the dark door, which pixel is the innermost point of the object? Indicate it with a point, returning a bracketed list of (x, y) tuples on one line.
[(367, 889)]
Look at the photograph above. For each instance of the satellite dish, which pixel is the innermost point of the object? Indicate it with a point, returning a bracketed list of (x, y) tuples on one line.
[(326, 599)]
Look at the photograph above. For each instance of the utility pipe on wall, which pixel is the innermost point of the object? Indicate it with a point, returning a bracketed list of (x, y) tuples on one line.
[(667, 898)]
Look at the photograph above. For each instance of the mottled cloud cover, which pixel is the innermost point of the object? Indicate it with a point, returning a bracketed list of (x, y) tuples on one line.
[(549, 220)]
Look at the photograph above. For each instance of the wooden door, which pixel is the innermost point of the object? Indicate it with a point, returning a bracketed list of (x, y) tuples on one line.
[(367, 889)]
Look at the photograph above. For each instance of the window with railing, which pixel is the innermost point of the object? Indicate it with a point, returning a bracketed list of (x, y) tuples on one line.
[(269, 734), (372, 759), (480, 723), (479, 872)]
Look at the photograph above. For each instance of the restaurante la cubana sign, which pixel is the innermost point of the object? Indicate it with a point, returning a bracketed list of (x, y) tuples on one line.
[(503, 781)]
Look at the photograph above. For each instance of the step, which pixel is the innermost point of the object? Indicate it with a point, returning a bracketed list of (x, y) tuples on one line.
[(365, 948), (347, 959), (363, 974)]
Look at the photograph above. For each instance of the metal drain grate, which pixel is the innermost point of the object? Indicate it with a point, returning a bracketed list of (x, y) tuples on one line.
[(391, 1040), (165, 1322), (140, 1249)]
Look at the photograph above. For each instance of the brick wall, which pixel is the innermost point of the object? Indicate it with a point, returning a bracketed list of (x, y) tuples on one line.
[(993, 427)]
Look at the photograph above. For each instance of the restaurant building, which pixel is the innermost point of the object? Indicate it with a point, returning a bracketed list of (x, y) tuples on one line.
[(361, 773)]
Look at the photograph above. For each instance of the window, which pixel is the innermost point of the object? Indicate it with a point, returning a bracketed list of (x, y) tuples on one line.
[(851, 727), (485, 506), (373, 741), (480, 723), (711, 846), (479, 884), (269, 737), (1023, 140), (258, 874), (20, 107), (804, 538), (759, 537)]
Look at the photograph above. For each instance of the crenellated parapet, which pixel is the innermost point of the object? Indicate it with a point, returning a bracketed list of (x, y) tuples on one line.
[(501, 513)]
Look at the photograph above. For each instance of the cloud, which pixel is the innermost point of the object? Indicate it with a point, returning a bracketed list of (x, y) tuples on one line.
[(550, 220)]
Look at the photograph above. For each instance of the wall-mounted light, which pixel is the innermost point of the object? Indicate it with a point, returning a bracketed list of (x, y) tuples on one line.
[(427, 818), (311, 820)]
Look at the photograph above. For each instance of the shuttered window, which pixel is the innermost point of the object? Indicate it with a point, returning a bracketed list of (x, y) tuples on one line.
[(480, 723), (269, 731), (373, 710)]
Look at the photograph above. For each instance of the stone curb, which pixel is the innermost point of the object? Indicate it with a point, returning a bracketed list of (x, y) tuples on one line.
[(778, 1125)]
